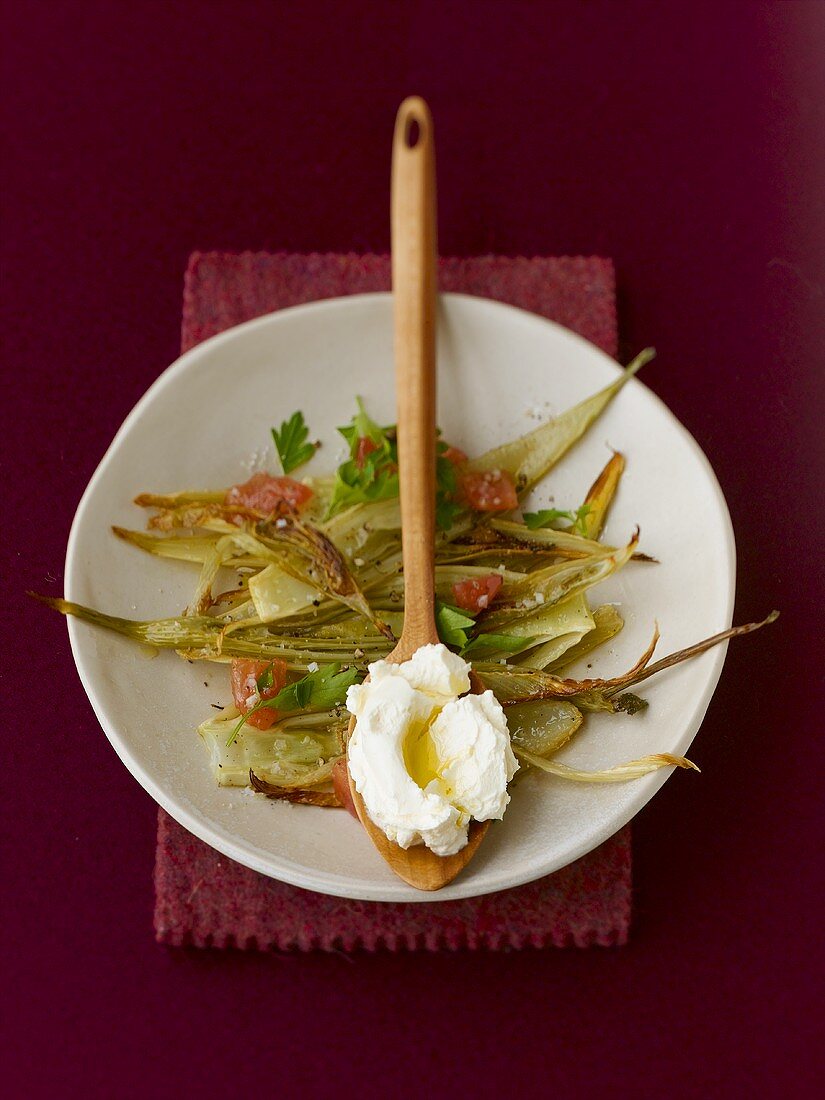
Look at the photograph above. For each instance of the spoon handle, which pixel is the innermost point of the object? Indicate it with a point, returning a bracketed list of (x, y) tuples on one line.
[(414, 251)]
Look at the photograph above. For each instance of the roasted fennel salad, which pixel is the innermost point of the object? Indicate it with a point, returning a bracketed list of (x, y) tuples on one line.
[(300, 587)]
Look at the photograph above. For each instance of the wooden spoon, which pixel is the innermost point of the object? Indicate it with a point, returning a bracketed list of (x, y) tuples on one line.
[(414, 252)]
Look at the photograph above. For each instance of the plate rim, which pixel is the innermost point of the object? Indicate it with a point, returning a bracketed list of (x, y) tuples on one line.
[(289, 871)]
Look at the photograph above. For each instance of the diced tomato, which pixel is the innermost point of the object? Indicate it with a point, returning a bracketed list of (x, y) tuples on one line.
[(340, 783), (489, 491), (364, 447), (245, 675), (268, 494), (455, 455), (477, 593)]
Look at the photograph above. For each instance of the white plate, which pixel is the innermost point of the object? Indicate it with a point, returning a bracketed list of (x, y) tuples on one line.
[(198, 426)]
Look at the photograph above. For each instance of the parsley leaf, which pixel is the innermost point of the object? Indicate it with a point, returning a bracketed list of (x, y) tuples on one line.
[(264, 681), (291, 443), (446, 485), (365, 477), (549, 516), (375, 479), (324, 688), (453, 624), (372, 474), (320, 690), (362, 426)]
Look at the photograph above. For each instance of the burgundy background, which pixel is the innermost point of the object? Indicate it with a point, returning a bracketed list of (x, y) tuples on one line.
[(680, 139)]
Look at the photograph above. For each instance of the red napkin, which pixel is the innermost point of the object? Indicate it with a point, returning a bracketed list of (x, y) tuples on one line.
[(207, 900)]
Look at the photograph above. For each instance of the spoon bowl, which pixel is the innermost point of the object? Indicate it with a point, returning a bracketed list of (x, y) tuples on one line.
[(418, 866)]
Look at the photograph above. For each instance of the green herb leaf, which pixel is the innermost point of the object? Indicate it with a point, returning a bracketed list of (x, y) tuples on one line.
[(362, 426), (374, 480), (445, 513), (320, 690), (291, 443), (264, 681), (453, 624), (446, 485), (549, 516), (374, 476), (534, 520), (324, 688)]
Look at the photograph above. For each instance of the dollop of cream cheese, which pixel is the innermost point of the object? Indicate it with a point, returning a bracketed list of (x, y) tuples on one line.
[(424, 760)]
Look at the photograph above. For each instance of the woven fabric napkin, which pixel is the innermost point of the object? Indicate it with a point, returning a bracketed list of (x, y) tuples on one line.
[(204, 899)]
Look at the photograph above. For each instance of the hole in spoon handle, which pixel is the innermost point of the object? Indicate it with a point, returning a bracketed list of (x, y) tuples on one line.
[(412, 132)]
